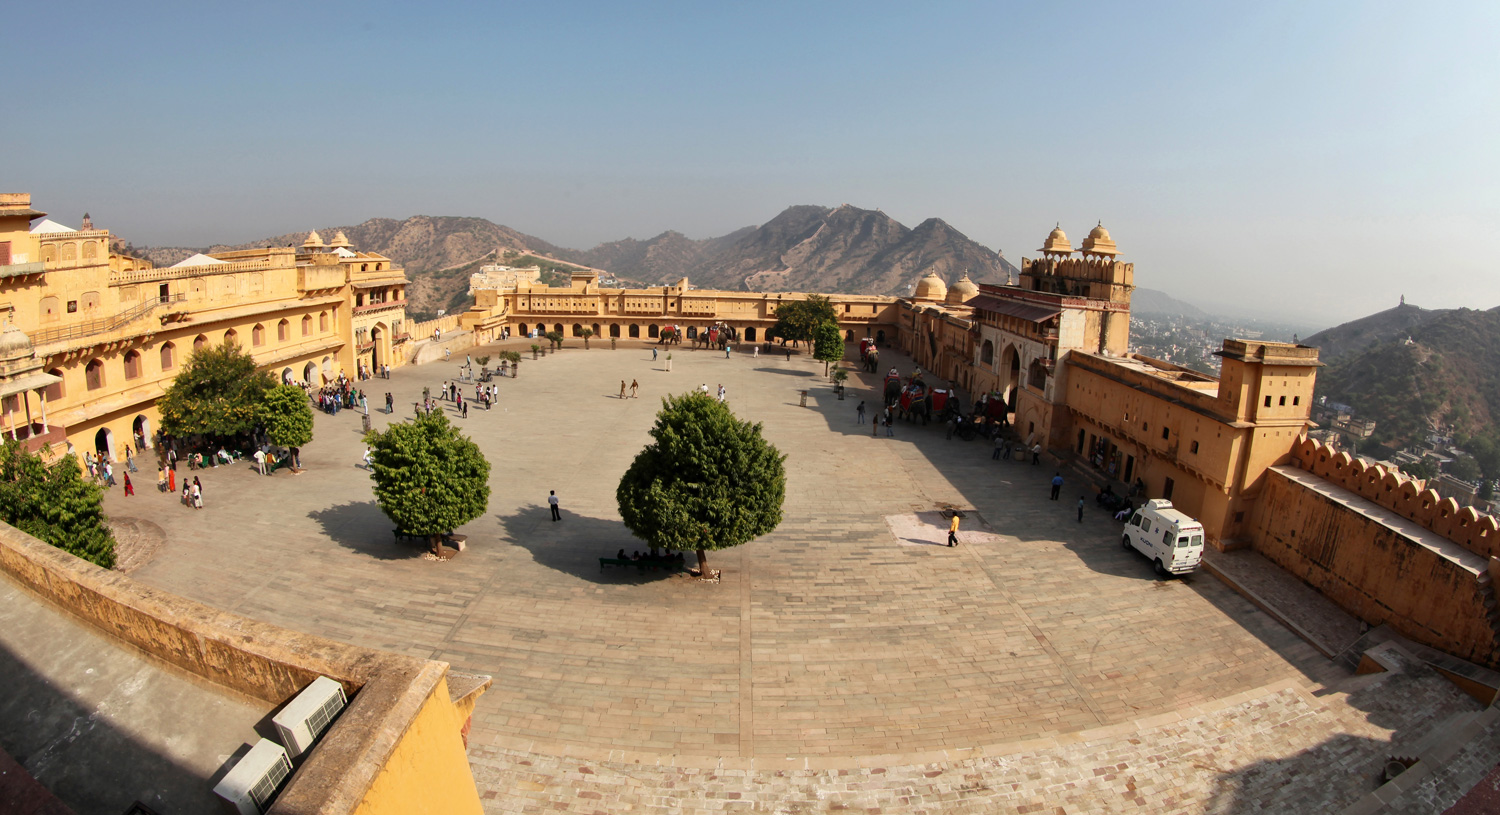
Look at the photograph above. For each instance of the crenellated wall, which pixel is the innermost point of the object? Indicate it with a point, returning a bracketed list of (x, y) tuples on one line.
[(1408, 497), (1384, 548)]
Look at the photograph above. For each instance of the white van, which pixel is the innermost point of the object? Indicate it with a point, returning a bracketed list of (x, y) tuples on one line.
[(1167, 536)]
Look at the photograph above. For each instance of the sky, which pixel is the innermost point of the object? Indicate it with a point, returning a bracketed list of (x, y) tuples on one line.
[(1272, 159)]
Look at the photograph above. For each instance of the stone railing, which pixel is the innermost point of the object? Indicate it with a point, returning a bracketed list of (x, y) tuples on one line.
[(1408, 497), (371, 308), (423, 330), (150, 275), (102, 325)]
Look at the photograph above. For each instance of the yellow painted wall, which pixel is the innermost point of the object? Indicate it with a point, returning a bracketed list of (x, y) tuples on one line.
[(428, 772)]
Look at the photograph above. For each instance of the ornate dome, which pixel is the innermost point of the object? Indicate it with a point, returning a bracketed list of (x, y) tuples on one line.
[(339, 240), (313, 240), (962, 291), (14, 344), (931, 287), (1099, 243), (1057, 242)]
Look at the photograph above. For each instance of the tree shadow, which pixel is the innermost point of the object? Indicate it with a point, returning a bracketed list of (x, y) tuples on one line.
[(574, 545), (784, 372), (362, 527)]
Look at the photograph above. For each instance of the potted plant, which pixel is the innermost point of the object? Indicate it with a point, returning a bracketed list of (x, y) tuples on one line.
[(839, 375), (669, 362), (534, 349), (586, 333), (612, 342)]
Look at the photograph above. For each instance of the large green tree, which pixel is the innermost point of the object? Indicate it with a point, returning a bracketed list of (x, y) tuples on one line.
[(286, 415), (429, 478), (218, 393), (54, 504), (796, 320), (707, 481), (828, 344)]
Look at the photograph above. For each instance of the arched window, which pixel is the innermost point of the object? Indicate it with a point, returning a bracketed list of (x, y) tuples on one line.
[(283, 331), (323, 321), (90, 249), (89, 301), (231, 337), (200, 342), (93, 375), (557, 328), (132, 364), (257, 335), (49, 253), (635, 331), (614, 330), (70, 251), (54, 391), (577, 330), (168, 356), (987, 353), (50, 308), (306, 325), (652, 331)]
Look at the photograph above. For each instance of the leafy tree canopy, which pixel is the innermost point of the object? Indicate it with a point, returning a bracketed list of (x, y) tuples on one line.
[(218, 393), (54, 504), (1463, 467), (797, 319), (286, 416), (828, 343), (429, 478), (708, 481)]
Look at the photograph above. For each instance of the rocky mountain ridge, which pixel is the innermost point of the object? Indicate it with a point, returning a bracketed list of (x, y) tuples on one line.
[(804, 248)]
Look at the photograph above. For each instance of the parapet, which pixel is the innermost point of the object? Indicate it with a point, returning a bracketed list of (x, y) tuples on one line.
[(401, 734), (1269, 353), (1408, 497)]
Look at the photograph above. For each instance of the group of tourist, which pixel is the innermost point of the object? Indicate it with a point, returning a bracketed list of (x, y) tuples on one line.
[(339, 396)]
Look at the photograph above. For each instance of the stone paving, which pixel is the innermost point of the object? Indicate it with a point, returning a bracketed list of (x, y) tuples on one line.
[(1014, 670)]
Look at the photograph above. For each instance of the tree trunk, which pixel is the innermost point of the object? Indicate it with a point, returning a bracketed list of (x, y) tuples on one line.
[(437, 544), (702, 563)]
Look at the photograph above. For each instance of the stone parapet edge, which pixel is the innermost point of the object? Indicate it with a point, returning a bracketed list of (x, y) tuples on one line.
[(256, 659)]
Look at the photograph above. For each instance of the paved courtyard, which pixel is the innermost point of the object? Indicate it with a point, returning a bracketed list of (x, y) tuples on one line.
[(845, 660)]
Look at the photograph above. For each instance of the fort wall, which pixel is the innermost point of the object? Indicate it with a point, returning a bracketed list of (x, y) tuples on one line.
[(1384, 548)]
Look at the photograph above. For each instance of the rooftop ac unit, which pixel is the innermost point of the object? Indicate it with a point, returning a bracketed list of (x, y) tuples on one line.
[(306, 717), (253, 782)]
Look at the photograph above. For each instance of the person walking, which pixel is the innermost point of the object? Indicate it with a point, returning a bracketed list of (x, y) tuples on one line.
[(1057, 482), (1036, 453), (1080, 509), (197, 494), (390, 402), (875, 426), (622, 389), (364, 404), (130, 460), (726, 352), (653, 354), (999, 445), (129, 488), (757, 352), (552, 502), (260, 460), (187, 494), (953, 529), (634, 385), (171, 481), (367, 458), (890, 432), (172, 458), (859, 414), (465, 409)]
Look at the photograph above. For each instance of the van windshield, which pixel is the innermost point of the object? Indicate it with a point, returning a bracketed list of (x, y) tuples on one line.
[(1186, 541)]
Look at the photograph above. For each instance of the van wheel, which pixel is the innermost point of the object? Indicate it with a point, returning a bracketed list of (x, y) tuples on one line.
[(1125, 542), (1160, 569)]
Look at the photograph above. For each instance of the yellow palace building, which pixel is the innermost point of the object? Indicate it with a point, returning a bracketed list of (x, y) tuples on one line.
[(90, 338)]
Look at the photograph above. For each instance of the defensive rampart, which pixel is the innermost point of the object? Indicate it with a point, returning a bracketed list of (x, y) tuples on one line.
[(1385, 548)]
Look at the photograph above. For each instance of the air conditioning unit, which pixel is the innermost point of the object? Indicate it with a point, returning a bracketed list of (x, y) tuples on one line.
[(306, 717), (253, 782)]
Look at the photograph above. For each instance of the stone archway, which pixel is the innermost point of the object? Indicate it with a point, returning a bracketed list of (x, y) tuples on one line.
[(750, 334), (614, 330), (1010, 375), (380, 346), (286, 376), (635, 331), (104, 443), (141, 428)]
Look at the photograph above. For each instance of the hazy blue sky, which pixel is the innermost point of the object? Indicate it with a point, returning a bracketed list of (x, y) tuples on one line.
[(1291, 158)]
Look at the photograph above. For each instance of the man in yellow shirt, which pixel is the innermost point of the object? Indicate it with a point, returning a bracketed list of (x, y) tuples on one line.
[(953, 529)]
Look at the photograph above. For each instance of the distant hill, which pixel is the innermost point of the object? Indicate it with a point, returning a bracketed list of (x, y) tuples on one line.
[(805, 248), (1351, 338), (1441, 372), (1146, 301)]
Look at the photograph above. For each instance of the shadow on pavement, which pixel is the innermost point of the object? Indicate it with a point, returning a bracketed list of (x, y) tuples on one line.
[(785, 371), (574, 545), (362, 527)]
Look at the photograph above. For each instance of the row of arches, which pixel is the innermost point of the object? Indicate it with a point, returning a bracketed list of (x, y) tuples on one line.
[(632, 330)]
